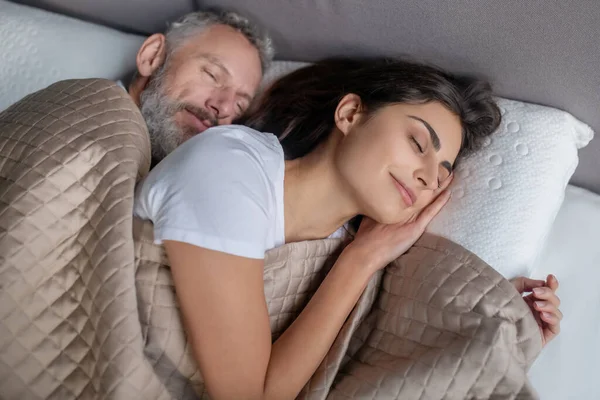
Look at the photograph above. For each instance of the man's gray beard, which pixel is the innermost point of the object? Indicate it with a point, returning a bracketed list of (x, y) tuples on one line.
[(159, 111)]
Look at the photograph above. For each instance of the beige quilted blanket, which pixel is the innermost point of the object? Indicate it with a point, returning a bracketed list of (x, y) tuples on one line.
[(88, 309)]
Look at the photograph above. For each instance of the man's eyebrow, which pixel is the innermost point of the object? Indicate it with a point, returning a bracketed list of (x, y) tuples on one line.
[(215, 61), (435, 139)]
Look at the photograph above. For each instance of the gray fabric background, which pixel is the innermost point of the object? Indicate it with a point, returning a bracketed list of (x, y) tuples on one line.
[(542, 51)]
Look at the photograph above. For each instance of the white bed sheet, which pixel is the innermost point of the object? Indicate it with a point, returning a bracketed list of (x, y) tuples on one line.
[(569, 367)]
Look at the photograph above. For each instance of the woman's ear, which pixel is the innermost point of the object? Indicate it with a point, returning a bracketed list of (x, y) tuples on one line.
[(348, 112), (151, 55)]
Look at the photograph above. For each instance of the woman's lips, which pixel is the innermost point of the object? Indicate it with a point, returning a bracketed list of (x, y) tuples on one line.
[(407, 195)]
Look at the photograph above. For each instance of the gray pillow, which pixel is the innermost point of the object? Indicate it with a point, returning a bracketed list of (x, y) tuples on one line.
[(39, 48)]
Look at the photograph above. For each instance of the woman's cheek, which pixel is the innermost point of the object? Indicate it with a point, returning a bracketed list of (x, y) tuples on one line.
[(425, 200)]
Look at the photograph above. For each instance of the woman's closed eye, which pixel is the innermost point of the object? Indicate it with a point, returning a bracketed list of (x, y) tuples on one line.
[(421, 150), (416, 142)]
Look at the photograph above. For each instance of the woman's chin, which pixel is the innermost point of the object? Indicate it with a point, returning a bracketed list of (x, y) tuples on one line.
[(401, 216)]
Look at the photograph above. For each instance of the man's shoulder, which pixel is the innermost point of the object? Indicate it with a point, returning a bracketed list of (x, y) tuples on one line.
[(239, 138), (92, 116)]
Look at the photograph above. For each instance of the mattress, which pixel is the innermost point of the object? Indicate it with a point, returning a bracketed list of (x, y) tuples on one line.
[(568, 367)]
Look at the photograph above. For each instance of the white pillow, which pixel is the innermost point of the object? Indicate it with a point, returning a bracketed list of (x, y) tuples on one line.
[(38, 48), (507, 195)]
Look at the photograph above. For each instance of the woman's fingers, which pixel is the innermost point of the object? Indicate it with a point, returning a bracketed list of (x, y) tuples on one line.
[(552, 282), (544, 303), (446, 183), (552, 324), (523, 284), (545, 293), (412, 219), (548, 308), (433, 209)]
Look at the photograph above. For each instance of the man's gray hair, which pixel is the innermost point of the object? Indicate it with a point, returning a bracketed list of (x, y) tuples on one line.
[(194, 23)]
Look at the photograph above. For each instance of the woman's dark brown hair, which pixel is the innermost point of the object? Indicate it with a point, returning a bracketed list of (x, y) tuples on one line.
[(299, 108)]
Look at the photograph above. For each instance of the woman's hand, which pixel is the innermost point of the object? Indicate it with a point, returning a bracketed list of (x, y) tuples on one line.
[(543, 303), (379, 244)]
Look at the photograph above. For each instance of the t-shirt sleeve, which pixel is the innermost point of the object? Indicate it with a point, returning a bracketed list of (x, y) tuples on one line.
[(212, 192)]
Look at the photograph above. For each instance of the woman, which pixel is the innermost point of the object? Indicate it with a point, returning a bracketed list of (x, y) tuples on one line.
[(372, 138)]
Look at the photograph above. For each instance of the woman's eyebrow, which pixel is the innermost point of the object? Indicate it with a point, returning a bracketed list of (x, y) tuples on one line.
[(435, 139)]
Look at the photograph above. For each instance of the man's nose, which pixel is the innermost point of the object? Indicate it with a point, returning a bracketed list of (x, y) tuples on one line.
[(222, 105)]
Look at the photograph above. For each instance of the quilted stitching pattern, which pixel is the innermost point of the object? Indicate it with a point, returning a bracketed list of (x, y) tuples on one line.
[(446, 326), (292, 275), (438, 324), (89, 311), (69, 159)]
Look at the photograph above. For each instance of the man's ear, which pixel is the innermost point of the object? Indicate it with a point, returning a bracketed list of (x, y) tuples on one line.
[(151, 55), (348, 112)]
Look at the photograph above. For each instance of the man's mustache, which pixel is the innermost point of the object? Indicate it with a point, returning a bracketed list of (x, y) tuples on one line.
[(199, 113)]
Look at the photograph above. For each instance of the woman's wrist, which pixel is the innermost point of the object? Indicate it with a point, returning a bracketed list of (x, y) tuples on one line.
[(364, 261)]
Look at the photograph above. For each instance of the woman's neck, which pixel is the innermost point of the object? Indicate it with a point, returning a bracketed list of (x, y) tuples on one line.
[(316, 203)]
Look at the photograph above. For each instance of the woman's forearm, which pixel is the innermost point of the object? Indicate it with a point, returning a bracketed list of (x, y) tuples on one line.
[(297, 353)]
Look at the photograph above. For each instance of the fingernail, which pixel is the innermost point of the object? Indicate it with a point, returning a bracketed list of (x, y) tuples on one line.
[(538, 290), (540, 304), (547, 315)]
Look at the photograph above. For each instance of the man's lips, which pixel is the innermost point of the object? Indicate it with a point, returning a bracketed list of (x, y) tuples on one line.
[(407, 195), (200, 124)]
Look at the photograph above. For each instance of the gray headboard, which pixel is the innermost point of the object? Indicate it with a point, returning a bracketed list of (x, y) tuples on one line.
[(542, 51)]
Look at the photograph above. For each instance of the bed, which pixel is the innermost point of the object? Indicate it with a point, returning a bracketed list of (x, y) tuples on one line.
[(567, 368), (543, 52)]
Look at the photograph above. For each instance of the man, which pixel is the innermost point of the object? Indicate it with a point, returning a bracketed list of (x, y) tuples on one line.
[(203, 71), (70, 156)]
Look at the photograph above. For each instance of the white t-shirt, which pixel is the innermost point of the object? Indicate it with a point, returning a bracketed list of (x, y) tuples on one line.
[(221, 190)]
